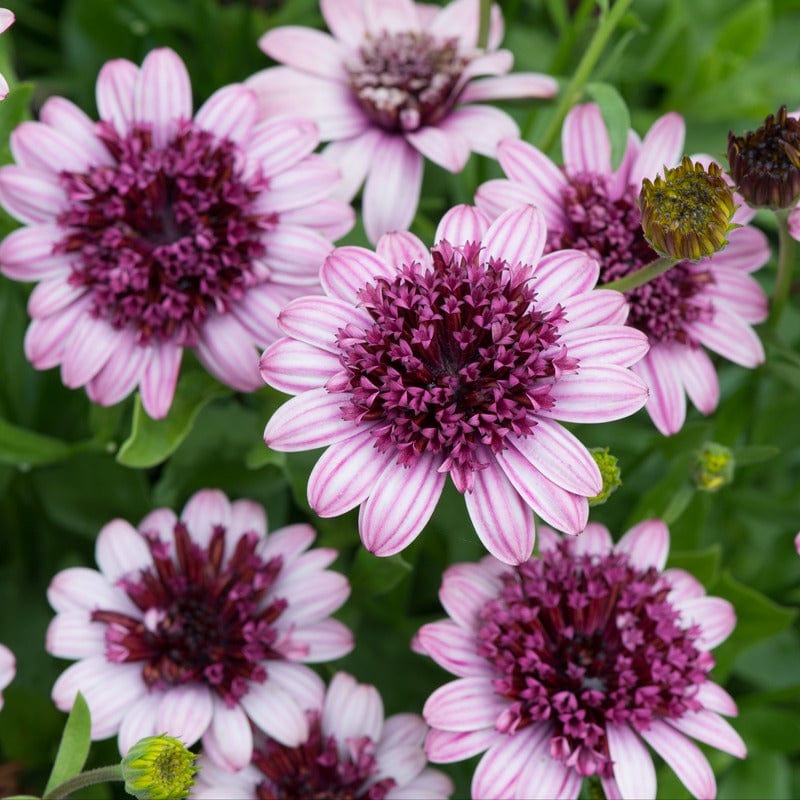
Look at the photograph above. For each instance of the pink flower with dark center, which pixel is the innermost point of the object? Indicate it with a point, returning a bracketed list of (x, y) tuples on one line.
[(570, 663), (461, 359), (150, 232), (590, 207), (197, 626), (350, 753), (8, 669), (7, 18), (396, 83)]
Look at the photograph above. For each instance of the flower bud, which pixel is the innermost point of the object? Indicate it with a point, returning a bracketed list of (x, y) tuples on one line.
[(159, 768), (609, 471), (712, 467)]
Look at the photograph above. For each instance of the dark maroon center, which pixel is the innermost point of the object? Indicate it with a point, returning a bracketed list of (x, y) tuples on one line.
[(610, 230), (578, 641), (457, 358), (163, 236), (316, 771), (202, 619), (404, 81)]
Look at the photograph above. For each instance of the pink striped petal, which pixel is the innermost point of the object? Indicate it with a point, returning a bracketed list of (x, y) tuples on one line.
[(227, 351), (247, 516), (139, 721), (82, 589), (312, 419), (90, 345), (462, 224), (31, 195), (497, 62), (274, 711), (400, 505), (229, 113), (564, 274), (454, 649), (711, 729), (715, 616), (295, 254), (345, 474), (480, 127), (121, 373), (525, 164), (520, 85), (72, 634), (278, 145), (323, 641), (403, 729), (345, 19), (159, 523), (205, 511), (544, 778), (445, 747), (741, 293), (7, 18), (160, 378), (393, 16), (307, 50), (120, 549), (71, 121), (715, 698), (633, 767), (26, 254), (401, 248), (698, 376), (465, 704), (684, 585), (748, 250), (402, 763), (564, 510), (517, 236), (49, 297), (731, 337), (610, 789), (502, 520), (299, 681), (258, 310), (549, 540), (585, 142), (287, 542), (606, 345), (599, 307), (667, 402), (447, 148), (348, 269), (45, 338), (560, 457), (163, 94), (185, 712), (465, 590), (115, 92), (683, 757), (646, 544), (312, 602), (391, 193), (620, 181), (459, 17), (38, 146), (229, 736), (352, 709), (597, 394), (293, 367), (495, 196), (661, 147), (330, 218), (353, 156), (497, 773), (316, 320), (794, 223), (595, 539)]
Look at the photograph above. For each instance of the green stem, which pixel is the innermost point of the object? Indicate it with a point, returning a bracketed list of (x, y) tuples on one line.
[(583, 72), (88, 778), (641, 276), (783, 281), (483, 23)]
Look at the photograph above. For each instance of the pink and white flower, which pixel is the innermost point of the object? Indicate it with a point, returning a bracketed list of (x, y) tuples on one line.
[(150, 232), (7, 19), (8, 669), (395, 83), (590, 207), (197, 626), (460, 359), (570, 664), (350, 751)]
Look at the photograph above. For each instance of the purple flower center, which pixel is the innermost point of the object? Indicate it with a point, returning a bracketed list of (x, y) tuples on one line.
[(316, 771), (578, 641), (457, 358), (164, 235), (404, 81), (610, 230), (203, 618)]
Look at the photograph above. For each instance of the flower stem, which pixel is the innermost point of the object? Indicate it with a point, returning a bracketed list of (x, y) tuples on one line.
[(91, 777), (783, 281), (583, 72), (483, 23), (641, 276)]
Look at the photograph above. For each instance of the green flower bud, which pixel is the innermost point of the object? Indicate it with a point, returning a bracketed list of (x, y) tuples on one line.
[(610, 472), (712, 467), (159, 768)]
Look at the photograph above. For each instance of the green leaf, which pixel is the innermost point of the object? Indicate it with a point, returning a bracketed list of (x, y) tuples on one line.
[(759, 775), (374, 576), (74, 747), (615, 115), (27, 448), (152, 441), (755, 454), (259, 455), (703, 564)]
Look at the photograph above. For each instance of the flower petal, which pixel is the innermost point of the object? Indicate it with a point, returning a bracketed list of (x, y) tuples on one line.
[(585, 142), (121, 549), (466, 589), (661, 147), (185, 712), (453, 649), (293, 367), (345, 19), (646, 544), (462, 224), (401, 248), (497, 195), (517, 236), (41, 147), (715, 616), (711, 729), (480, 127), (606, 344), (115, 93), (276, 712), (72, 634), (31, 195), (205, 511), (306, 49), (447, 148), (163, 94), (229, 736), (160, 378), (352, 710), (520, 85), (562, 275), (466, 704), (353, 156), (316, 321), (139, 721), (348, 269), (226, 349), (544, 778), (229, 113), (633, 767), (731, 337), (445, 747)]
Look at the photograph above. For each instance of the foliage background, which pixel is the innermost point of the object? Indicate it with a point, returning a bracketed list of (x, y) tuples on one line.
[(66, 467)]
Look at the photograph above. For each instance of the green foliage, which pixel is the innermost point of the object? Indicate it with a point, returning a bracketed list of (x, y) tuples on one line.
[(74, 747)]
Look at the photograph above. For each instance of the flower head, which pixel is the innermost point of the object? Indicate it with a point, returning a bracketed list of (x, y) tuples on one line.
[(195, 626), (8, 669), (150, 231), (7, 18), (395, 83), (765, 164), (458, 359), (350, 753), (570, 663), (593, 208), (159, 768)]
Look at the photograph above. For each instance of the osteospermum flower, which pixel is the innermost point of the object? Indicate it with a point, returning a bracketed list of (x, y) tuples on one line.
[(7, 18), (196, 626), (395, 83), (461, 359), (8, 669), (570, 664), (150, 232), (350, 752), (588, 206)]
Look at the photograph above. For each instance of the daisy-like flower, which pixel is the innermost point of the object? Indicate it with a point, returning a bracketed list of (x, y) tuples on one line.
[(150, 232), (710, 303), (7, 18), (461, 359), (397, 81), (8, 669), (571, 663), (197, 626), (350, 753)]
